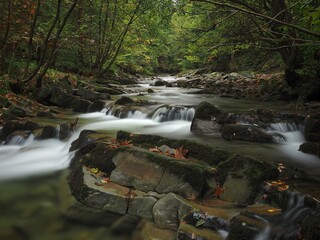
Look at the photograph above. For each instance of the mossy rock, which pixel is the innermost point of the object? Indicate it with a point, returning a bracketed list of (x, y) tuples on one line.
[(196, 150), (207, 111), (124, 101), (243, 176), (245, 133)]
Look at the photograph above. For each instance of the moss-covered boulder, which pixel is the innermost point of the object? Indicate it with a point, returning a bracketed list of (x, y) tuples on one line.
[(243, 177), (207, 111), (201, 152), (148, 171), (170, 210), (124, 101), (245, 133)]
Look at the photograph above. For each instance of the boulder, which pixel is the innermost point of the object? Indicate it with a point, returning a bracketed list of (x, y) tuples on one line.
[(80, 105), (148, 171), (48, 132), (60, 98), (205, 118), (97, 106), (310, 148), (201, 152), (310, 228), (312, 129), (160, 83), (12, 126), (243, 177), (245, 133), (207, 111), (124, 101), (91, 95), (170, 210), (86, 189)]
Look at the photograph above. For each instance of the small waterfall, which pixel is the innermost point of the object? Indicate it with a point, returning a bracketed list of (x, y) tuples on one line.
[(136, 114), (286, 132), (161, 114), (164, 114), (19, 139), (284, 127), (265, 233), (286, 225)]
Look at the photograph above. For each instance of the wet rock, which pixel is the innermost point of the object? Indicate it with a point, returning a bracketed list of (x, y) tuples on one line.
[(312, 129), (141, 205), (207, 111), (65, 131), (244, 133), (12, 126), (84, 187), (150, 90), (85, 138), (209, 155), (80, 105), (147, 171), (48, 132), (203, 220), (60, 98), (124, 101), (97, 106), (170, 210), (310, 228), (205, 118), (310, 148), (243, 227), (243, 177), (160, 83)]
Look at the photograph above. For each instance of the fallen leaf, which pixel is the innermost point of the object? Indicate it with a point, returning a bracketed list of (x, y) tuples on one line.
[(180, 153)]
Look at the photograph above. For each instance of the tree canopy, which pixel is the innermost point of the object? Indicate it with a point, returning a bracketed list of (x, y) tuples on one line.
[(99, 37)]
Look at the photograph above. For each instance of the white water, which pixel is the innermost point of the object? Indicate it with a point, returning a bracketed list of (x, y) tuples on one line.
[(171, 118)]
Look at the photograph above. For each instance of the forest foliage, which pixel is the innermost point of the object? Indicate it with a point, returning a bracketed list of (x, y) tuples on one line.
[(102, 37)]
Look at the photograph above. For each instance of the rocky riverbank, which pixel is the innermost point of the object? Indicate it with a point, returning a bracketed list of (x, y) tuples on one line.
[(141, 183)]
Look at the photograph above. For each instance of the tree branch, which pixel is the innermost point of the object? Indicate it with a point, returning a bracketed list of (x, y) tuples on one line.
[(260, 15)]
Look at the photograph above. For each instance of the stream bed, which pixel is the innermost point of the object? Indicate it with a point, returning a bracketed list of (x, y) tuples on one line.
[(31, 171)]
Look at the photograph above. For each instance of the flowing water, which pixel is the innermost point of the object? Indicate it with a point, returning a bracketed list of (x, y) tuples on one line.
[(169, 116)]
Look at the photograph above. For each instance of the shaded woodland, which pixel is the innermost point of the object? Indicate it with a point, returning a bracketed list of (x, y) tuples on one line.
[(99, 38)]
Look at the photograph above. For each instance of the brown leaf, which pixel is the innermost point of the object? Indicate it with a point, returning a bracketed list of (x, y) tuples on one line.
[(180, 153)]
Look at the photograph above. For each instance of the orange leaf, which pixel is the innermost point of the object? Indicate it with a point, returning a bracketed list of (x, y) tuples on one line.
[(180, 153)]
